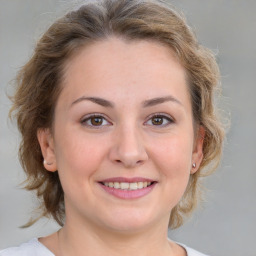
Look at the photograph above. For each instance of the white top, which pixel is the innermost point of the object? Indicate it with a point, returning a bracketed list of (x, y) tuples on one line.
[(35, 248)]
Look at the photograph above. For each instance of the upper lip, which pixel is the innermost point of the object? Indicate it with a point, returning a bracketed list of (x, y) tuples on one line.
[(129, 180)]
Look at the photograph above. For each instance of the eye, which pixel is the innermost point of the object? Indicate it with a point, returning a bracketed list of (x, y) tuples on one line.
[(95, 121), (159, 120)]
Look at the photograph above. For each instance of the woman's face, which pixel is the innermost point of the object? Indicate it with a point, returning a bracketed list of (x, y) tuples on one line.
[(123, 140)]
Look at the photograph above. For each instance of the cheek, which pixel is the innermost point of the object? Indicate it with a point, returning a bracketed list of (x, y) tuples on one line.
[(78, 160), (174, 156), (173, 162), (79, 156)]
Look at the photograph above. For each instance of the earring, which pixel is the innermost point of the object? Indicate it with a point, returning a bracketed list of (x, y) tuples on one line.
[(45, 163), (194, 165)]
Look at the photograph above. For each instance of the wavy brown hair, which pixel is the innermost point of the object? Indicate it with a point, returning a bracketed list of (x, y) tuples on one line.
[(39, 85)]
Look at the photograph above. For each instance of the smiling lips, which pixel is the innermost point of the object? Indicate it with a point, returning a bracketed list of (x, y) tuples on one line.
[(128, 188)]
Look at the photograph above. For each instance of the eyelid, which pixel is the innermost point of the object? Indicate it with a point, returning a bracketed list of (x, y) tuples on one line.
[(89, 116), (103, 116), (163, 115)]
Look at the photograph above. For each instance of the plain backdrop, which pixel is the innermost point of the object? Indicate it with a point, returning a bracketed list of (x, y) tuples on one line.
[(225, 224)]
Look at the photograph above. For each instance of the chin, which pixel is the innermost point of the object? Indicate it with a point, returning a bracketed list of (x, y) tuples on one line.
[(130, 222)]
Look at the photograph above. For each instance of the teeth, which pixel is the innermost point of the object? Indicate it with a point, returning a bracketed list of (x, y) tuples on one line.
[(124, 185), (116, 185), (127, 186), (140, 184), (133, 186)]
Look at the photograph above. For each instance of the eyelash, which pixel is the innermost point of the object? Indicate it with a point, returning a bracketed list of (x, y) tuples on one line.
[(90, 117), (165, 117)]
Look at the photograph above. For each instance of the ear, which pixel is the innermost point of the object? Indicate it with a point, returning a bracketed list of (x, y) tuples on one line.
[(197, 156), (46, 142)]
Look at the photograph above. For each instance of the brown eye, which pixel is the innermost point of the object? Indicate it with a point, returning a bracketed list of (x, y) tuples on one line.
[(160, 120), (96, 121), (157, 120)]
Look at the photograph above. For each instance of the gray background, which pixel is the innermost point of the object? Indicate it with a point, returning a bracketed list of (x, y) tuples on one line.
[(225, 225)]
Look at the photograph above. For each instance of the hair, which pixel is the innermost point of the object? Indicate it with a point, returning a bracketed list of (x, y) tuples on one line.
[(39, 85)]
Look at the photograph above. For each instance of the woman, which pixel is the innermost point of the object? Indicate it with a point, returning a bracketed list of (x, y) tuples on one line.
[(116, 113)]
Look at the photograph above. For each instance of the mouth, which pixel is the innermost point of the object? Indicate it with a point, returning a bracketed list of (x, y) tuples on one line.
[(128, 188), (128, 185)]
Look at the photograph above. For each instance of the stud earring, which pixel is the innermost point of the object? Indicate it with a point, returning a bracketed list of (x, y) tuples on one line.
[(45, 163), (194, 165)]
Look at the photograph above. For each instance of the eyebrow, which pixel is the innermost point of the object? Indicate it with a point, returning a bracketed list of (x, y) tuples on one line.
[(146, 103), (156, 101), (99, 101)]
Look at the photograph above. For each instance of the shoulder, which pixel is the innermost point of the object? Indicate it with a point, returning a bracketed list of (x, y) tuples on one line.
[(192, 252), (31, 248)]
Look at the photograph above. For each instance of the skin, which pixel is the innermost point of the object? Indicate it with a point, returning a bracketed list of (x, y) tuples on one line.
[(128, 142)]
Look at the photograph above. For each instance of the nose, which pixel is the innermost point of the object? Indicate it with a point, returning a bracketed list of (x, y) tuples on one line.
[(128, 148)]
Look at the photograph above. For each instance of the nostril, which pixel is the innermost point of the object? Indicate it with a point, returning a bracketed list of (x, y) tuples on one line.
[(129, 163)]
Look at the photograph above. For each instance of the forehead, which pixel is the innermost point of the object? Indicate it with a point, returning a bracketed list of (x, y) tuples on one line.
[(140, 67)]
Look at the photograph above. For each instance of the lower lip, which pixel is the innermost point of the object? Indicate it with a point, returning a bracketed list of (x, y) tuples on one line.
[(128, 194)]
